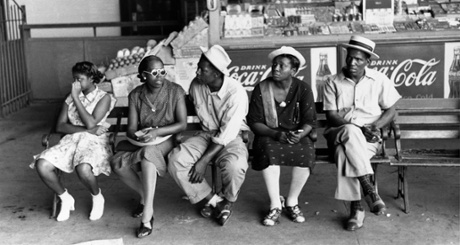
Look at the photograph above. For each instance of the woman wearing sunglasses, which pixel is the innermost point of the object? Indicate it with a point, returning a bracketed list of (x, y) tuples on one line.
[(156, 111)]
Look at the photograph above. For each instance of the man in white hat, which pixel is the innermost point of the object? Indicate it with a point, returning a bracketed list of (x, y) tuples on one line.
[(221, 104), (358, 102)]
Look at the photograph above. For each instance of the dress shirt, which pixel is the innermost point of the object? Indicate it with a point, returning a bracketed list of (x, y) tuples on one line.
[(360, 103), (223, 111)]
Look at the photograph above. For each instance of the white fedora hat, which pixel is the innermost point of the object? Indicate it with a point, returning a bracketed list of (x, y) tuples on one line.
[(218, 57), (291, 51), (362, 44)]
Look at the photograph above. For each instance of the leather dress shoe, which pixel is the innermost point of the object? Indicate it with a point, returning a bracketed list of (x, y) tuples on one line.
[(356, 220), (376, 205)]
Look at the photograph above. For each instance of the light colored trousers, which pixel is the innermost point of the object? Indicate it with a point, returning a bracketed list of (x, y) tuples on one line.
[(352, 154), (232, 161)]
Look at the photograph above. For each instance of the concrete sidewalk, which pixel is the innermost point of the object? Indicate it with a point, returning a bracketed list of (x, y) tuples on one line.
[(26, 202)]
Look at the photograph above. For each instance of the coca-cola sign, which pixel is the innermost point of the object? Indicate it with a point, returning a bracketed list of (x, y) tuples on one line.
[(416, 69), (252, 66)]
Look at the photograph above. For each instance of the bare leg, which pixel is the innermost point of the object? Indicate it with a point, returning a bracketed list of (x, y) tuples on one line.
[(298, 180), (130, 178), (272, 177), (85, 173), (47, 173), (149, 181)]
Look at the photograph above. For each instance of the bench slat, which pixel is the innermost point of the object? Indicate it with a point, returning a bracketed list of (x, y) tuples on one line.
[(424, 164), (429, 134), (427, 104), (428, 119)]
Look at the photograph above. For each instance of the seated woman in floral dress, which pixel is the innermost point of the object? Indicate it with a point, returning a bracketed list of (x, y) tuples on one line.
[(85, 146), (281, 115), (156, 111)]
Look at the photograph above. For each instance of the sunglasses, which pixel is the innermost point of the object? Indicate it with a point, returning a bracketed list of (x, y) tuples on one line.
[(157, 72)]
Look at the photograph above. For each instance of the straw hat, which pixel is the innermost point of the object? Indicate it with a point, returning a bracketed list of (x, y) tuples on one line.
[(362, 44), (218, 57), (291, 51)]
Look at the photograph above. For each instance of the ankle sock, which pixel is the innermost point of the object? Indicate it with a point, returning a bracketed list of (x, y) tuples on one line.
[(366, 184), (214, 200), (67, 205), (98, 206), (356, 205), (65, 195)]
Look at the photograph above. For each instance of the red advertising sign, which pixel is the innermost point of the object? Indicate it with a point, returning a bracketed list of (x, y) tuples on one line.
[(252, 66)]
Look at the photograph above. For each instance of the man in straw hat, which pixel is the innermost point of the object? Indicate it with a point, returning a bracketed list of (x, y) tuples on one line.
[(221, 104), (358, 102)]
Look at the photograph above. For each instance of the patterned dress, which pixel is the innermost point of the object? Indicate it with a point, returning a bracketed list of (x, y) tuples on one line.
[(157, 113), (299, 109), (81, 147)]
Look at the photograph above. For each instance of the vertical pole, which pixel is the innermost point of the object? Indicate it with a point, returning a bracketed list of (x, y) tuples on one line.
[(214, 20)]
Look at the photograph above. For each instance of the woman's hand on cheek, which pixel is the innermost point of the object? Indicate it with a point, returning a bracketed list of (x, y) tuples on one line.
[(76, 89)]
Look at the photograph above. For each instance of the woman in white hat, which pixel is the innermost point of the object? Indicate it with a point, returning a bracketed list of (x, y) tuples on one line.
[(281, 115)]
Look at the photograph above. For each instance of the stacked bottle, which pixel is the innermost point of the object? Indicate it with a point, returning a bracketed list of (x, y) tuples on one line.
[(454, 75), (321, 76)]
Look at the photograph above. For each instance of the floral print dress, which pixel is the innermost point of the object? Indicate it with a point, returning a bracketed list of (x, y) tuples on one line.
[(81, 147)]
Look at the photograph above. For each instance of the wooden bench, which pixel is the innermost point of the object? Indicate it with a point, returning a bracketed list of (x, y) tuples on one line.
[(422, 126), (118, 120), (193, 125)]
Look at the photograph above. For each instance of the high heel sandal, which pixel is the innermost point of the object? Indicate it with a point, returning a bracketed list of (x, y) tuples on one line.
[(144, 231), (272, 217), (138, 211)]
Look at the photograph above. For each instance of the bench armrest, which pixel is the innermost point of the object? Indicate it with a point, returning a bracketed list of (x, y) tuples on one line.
[(46, 138), (115, 129), (313, 135), (178, 138), (384, 132), (394, 128)]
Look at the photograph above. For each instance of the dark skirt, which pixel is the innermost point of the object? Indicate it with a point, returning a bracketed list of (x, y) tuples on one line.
[(268, 151)]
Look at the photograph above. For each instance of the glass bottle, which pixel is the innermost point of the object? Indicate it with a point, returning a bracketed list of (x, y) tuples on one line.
[(454, 75), (321, 76)]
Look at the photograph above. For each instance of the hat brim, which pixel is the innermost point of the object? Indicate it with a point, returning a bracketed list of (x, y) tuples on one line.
[(372, 54), (224, 71), (299, 56)]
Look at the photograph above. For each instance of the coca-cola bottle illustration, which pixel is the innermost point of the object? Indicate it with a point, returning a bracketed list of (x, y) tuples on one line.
[(321, 75), (454, 75)]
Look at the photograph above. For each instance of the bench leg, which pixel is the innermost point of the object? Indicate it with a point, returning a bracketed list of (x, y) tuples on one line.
[(374, 177), (403, 187), (214, 178), (54, 207)]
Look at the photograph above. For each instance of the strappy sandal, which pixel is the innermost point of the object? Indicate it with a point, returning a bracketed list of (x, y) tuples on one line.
[(144, 231), (138, 211), (207, 210), (295, 214), (272, 217)]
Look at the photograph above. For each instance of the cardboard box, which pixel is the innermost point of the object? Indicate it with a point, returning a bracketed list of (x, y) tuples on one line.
[(186, 71), (119, 72)]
